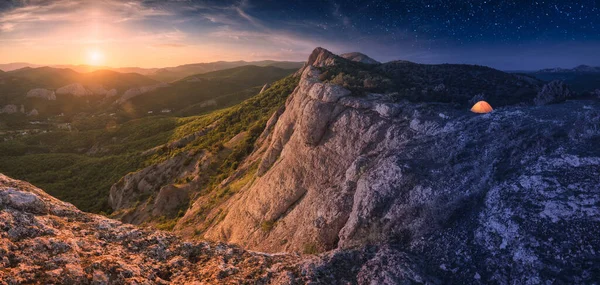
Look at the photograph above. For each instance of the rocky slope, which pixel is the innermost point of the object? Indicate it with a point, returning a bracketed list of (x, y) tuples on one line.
[(46, 241), (507, 197)]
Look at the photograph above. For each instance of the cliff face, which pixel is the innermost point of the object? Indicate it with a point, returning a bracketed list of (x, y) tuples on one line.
[(509, 196)]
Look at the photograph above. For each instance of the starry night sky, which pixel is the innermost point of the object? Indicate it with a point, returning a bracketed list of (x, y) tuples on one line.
[(509, 35), (504, 34)]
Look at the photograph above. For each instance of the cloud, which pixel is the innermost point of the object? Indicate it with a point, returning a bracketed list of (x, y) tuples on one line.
[(169, 45), (34, 13), (7, 27)]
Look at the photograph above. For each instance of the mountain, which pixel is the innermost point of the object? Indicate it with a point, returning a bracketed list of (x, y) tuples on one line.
[(16, 65), (581, 68), (352, 172), (582, 78), (500, 196), (47, 77), (54, 78)]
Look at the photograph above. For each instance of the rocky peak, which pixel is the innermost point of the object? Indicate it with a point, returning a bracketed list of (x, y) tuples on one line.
[(359, 57), (321, 57)]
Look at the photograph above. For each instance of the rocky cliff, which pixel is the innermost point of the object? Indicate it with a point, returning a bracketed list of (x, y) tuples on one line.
[(507, 197)]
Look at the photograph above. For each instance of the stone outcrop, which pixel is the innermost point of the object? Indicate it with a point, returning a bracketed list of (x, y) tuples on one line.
[(505, 197), (41, 93), (321, 57), (151, 192), (553, 92), (359, 57)]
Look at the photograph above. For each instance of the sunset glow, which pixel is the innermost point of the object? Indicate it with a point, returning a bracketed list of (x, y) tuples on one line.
[(95, 57)]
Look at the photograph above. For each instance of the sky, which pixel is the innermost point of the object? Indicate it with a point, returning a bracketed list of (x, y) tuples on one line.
[(508, 35)]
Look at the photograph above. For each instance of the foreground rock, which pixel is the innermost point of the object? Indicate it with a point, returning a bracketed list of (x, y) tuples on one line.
[(46, 241)]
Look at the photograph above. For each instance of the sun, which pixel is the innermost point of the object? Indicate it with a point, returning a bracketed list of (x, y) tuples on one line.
[(95, 57)]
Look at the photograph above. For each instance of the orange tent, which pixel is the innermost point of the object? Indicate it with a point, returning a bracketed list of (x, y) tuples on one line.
[(481, 107)]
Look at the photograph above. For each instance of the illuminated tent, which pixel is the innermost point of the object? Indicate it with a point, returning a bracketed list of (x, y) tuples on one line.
[(481, 107)]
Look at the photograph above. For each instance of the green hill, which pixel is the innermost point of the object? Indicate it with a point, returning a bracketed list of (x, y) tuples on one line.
[(205, 92), (170, 74), (47, 77), (53, 78)]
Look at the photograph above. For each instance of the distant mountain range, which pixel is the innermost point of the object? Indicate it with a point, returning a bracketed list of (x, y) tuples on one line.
[(52, 91), (583, 78), (581, 68), (166, 74)]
